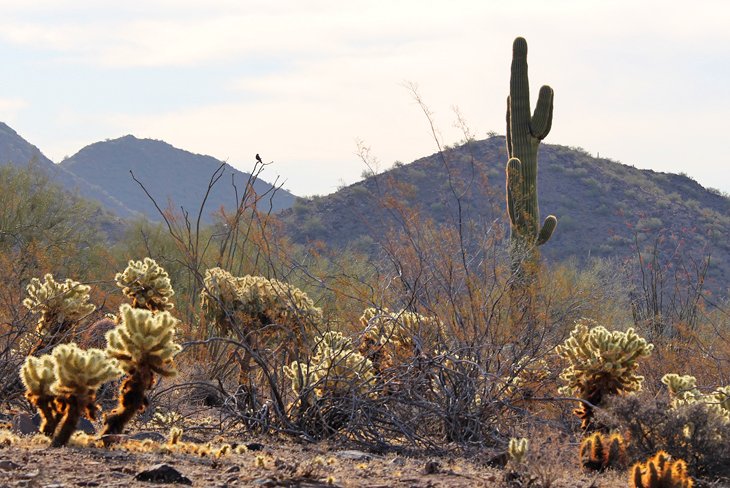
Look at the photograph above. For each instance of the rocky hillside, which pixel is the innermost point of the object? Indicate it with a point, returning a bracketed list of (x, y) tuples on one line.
[(172, 176), (602, 206)]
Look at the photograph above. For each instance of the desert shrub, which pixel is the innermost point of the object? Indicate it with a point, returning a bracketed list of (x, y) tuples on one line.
[(390, 338), (690, 431), (326, 383)]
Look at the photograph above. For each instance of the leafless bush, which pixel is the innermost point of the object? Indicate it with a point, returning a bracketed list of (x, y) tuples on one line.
[(690, 432)]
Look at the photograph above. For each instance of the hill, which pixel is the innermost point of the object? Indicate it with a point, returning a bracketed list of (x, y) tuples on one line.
[(602, 206), (17, 151), (169, 174)]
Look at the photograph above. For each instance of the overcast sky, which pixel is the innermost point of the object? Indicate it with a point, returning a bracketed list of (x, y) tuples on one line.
[(300, 81)]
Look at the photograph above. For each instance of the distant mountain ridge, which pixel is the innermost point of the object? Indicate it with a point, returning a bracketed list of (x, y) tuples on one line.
[(169, 174), (602, 206), (101, 172), (19, 152)]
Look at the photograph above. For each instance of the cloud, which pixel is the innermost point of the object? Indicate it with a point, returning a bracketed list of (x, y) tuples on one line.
[(299, 82), (11, 107)]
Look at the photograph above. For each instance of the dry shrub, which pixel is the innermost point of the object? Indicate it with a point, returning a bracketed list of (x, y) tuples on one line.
[(690, 432)]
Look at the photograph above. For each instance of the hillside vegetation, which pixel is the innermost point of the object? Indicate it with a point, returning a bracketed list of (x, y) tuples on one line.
[(603, 207)]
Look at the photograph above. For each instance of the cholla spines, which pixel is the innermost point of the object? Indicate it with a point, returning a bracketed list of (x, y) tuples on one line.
[(79, 373), (392, 336), (60, 304), (599, 452), (260, 299), (660, 471), (38, 374), (517, 449), (334, 368), (147, 284), (144, 339), (144, 344), (601, 363), (683, 391)]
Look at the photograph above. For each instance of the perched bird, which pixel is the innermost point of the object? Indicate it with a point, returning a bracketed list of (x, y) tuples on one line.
[(258, 158)]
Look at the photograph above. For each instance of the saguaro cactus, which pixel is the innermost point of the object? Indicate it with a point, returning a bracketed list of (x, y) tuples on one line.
[(524, 133)]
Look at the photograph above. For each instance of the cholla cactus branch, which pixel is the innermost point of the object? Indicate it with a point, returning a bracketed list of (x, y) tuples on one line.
[(144, 338), (79, 374), (390, 338), (683, 391), (660, 471), (334, 369), (38, 374), (517, 450), (147, 284), (599, 452), (61, 305), (263, 301), (144, 344), (601, 363)]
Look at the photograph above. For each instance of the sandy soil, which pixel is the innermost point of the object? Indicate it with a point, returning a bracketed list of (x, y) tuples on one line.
[(25, 463)]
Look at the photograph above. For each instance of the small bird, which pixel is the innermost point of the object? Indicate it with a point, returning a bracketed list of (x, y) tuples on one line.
[(258, 158)]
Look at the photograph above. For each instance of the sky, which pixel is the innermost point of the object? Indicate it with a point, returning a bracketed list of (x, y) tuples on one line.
[(305, 82)]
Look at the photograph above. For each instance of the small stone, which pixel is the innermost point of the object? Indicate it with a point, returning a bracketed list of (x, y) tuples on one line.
[(142, 436), (432, 467), (23, 424), (233, 469), (354, 455), (163, 473), (85, 426), (254, 446), (8, 465)]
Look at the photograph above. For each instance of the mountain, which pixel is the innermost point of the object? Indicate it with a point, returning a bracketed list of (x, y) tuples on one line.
[(172, 176), (16, 150), (603, 207)]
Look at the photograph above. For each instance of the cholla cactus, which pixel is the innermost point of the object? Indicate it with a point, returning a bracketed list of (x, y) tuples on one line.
[(517, 450), (660, 471), (61, 305), (260, 300), (79, 374), (683, 391), (601, 363), (147, 284), (334, 369), (599, 452), (144, 344), (393, 337), (38, 374)]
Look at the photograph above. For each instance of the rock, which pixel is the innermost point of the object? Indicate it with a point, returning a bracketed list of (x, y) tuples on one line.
[(85, 426), (155, 436), (432, 467), (163, 473), (8, 465), (254, 446), (354, 455), (23, 424)]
